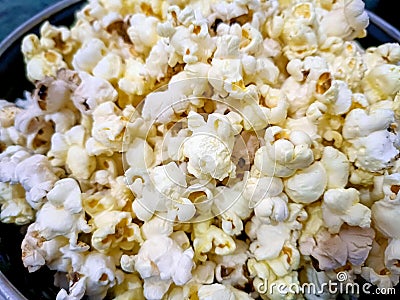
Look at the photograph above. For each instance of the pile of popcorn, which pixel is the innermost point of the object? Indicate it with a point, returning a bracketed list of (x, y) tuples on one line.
[(193, 149)]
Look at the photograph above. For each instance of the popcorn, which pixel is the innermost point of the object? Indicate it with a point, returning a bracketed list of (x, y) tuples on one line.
[(91, 92), (155, 265), (208, 292), (392, 257), (8, 133), (114, 228), (109, 67), (342, 206), (211, 238), (233, 207), (89, 55), (14, 208), (33, 172), (383, 211), (62, 215), (97, 274), (301, 188), (44, 63), (215, 139), (37, 251), (337, 168), (350, 16), (381, 82), (57, 38), (362, 130), (69, 149), (298, 34), (375, 270), (229, 268), (191, 149), (143, 32), (284, 152), (389, 52)]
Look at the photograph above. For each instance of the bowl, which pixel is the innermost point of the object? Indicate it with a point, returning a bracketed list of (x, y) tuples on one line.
[(15, 281)]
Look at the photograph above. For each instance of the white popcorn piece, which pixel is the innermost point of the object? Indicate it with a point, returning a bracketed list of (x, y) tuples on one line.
[(108, 129), (69, 149), (375, 270), (38, 251), (191, 41), (139, 154), (92, 92), (278, 233), (349, 65), (114, 229), (133, 81), (51, 95), (130, 288), (287, 262), (180, 97), (14, 208), (143, 32), (298, 33), (203, 146), (63, 214), (383, 211), (277, 102), (392, 257), (209, 147), (209, 238), (272, 209), (302, 188), (229, 268), (216, 290), (385, 53), (157, 62), (110, 67), (337, 167), (97, 274), (226, 75), (57, 38), (87, 57), (337, 96), (160, 266), (351, 17), (231, 205), (284, 152), (30, 46), (363, 130), (45, 63), (33, 172), (258, 188), (342, 206), (381, 82), (9, 135)]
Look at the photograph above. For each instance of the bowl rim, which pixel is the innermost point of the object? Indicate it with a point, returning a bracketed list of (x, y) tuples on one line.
[(7, 290), (29, 24)]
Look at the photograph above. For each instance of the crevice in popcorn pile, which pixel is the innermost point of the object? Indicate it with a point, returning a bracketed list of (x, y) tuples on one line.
[(200, 149)]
